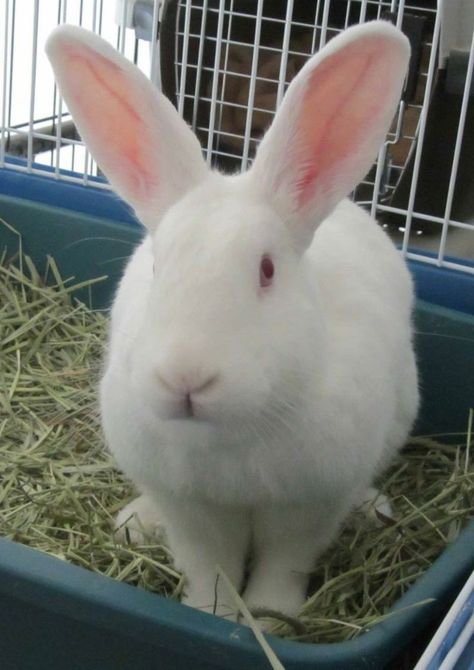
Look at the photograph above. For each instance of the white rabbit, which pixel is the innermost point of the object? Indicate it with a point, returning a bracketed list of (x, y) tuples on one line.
[(260, 371)]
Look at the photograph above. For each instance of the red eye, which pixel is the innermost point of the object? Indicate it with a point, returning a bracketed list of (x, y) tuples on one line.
[(267, 270)]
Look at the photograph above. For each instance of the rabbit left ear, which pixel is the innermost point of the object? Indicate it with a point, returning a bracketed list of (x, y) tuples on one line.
[(146, 150), (330, 125)]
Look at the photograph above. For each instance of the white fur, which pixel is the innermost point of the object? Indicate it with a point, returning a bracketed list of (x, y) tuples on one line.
[(309, 387)]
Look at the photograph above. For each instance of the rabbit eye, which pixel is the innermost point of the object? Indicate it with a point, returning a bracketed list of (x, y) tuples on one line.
[(267, 270)]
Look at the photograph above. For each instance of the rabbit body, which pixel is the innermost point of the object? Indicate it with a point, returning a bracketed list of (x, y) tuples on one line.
[(288, 478), (260, 370), (356, 397)]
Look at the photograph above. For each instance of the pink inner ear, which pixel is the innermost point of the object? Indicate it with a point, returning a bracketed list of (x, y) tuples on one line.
[(104, 104), (344, 101)]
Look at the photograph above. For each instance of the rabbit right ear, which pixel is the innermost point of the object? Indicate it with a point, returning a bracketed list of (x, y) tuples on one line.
[(146, 150), (330, 125)]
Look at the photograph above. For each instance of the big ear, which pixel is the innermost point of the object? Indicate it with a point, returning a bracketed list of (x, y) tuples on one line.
[(139, 141), (331, 124)]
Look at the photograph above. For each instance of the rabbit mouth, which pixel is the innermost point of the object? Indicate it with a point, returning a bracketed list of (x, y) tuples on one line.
[(185, 409)]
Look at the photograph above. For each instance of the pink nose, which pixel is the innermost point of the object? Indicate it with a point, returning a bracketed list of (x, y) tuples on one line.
[(186, 385), (185, 388)]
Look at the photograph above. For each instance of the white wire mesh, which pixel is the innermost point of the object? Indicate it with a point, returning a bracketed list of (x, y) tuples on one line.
[(231, 64), (36, 127), (257, 48)]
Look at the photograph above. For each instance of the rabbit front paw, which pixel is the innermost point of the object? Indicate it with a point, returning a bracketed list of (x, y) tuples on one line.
[(375, 505), (139, 521)]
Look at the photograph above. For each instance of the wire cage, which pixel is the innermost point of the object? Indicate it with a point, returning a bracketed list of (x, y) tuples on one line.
[(231, 61), (225, 64), (38, 135)]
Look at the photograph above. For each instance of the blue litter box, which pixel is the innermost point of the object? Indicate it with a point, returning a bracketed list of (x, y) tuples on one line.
[(54, 615)]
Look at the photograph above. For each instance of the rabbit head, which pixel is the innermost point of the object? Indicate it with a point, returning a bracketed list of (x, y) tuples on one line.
[(233, 323)]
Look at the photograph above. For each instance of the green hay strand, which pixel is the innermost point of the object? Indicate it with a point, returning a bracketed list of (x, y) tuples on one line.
[(60, 489)]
